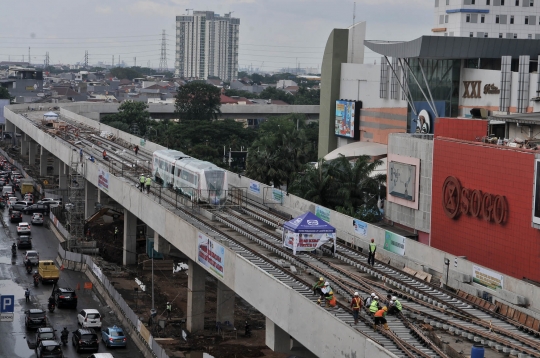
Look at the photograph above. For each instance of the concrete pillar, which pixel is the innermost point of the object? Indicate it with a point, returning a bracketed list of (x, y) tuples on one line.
[(44, 155), (90, 198), (276, 338), (225, 304), (130, 238), (24, 145), (32, 151), (195, 301), (56, 166), (161, 245), (10, 127)]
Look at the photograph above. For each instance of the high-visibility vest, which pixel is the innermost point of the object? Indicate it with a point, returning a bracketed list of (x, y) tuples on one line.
[(116, 230), (380, 313), (169, 307), (142, 179), (372, 247), (356, 303), (398, 305), (148, 181), (374, 306)]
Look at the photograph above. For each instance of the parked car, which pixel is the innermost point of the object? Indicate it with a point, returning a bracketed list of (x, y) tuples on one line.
[(114, 336), (23, 228), (65, 296), (49, 349), (37, 208), (37, 219), (31, 256), (45, 334), (85, 339), (89, 318), (35, 318), (24, 242), (16, 217), (21, 205)]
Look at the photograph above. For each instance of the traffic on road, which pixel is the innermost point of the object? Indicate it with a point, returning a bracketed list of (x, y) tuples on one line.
[(56, 319)]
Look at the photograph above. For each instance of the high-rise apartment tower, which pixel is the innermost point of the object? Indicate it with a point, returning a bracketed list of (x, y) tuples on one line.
[(509, 19), (207, 45)]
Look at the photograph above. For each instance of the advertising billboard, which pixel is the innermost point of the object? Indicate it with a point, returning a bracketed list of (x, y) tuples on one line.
[(402, 180), (348, 119), (211, 254), (536, 194), (424, 121), (394, 243)]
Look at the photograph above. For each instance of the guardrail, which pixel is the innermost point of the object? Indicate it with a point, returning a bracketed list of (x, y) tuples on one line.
[(127, 312)]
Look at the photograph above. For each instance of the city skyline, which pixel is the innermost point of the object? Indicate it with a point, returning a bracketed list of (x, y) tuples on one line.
[(279, 33)]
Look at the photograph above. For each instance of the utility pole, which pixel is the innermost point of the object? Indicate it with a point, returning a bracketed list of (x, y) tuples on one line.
[(47, 60), (163, 58)]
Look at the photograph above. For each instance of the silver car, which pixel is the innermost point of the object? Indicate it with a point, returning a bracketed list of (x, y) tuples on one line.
[(31, 256), (37, 219)]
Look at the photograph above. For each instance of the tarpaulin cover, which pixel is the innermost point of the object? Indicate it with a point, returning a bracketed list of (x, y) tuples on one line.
[(309, 223)]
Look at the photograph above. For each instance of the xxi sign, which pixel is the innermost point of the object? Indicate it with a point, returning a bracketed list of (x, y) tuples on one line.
[(458, 200), (472, 89)]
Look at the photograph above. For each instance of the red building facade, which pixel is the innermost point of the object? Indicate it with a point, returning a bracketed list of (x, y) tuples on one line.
[(482, 200)]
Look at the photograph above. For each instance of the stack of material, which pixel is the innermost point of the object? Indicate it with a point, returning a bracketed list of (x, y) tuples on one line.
[(164, 265)]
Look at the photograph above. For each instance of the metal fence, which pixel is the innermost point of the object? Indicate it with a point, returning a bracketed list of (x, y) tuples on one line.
[(71, 258)]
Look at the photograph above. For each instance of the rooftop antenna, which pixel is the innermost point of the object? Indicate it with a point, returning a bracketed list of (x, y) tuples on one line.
[(352, 39)]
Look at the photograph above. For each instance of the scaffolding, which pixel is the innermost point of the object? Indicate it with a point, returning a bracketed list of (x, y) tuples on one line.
[(76, 204)]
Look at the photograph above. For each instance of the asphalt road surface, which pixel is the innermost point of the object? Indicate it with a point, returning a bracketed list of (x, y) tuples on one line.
[(14, 280)]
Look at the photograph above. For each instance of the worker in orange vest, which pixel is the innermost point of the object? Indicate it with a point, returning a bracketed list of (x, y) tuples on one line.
[(356, 304), (379, 318)]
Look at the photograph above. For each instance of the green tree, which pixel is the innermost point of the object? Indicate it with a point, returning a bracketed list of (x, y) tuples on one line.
[(198, 101), (4, 94), (274, 93), (306, 96), (132, 114), (125, 73)]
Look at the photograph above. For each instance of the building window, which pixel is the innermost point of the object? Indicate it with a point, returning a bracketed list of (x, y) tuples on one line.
[(531, 2), (502, 2), (526, 20), (473, 2), (500, 35), (488, 2), (445, 19), (471, 34), (511, 19), (529, 36), (497, 19), (482, 19), (468, 18), (517, 2), (485, 34), (446, 34), (515, 36), (447, 2)]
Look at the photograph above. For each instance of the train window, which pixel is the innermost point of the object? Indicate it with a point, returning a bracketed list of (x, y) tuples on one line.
[(214, 180), (189, 177)]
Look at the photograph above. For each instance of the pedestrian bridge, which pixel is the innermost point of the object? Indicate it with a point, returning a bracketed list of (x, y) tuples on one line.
[(292, 318)]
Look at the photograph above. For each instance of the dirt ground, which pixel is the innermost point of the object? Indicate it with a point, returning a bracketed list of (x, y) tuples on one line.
[(173, 288)]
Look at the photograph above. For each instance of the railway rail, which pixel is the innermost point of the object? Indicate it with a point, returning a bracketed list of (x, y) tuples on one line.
[(423, 303)]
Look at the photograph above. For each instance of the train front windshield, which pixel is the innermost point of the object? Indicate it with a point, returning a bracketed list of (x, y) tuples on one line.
[(214, 181)]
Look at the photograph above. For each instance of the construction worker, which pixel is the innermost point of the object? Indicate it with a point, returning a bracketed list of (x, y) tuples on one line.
[(395, 306), (116, 232), (105, 155), (330, 299), (317, 287), (367, 301), (374, 306), (142, 180), (169, 310), (325, 291), (356, 304), (147, 183), (379, 318), (371, 254)]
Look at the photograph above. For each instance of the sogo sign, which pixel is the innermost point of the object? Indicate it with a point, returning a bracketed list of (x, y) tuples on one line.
[(458, 200)]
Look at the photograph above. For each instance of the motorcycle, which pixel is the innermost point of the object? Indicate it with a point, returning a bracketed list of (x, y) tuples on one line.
[(13, 252), (29, 269), (36, 281), (64, 338), (51, 307)]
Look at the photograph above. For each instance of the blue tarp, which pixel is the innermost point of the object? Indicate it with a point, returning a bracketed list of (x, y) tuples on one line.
[(309, 223)]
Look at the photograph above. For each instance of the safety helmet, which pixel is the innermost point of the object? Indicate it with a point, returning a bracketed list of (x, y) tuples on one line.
[(321, 279), (391, 302), (373, 295), (385, 309), (356, 293), (326, 283), (35, 272), (168, 303), (394, 298)]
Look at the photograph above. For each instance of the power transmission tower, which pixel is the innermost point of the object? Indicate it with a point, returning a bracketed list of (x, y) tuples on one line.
[(135, 60), (112, 60), (163, 58), (86, 59), (29, 60), (47, 60)]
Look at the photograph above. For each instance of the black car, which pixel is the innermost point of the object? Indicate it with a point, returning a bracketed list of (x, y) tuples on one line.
[(16, 217), (24, 242), (35, 318), (64, 297), (85, 339), (37, 208), (45, 334), (49, 349)]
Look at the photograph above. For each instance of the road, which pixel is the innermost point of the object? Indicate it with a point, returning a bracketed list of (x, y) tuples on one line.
[(14, 280)]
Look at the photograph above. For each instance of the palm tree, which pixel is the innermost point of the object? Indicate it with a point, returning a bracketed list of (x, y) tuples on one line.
[(314, 184)]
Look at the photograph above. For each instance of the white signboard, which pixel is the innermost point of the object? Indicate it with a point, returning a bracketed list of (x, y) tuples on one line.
[(306, 242), (487, 278), (6, 317)]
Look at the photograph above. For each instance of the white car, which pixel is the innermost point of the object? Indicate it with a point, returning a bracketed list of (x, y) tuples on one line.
[(37, 219), (23, 228), (53, 203), (89, 318), (12, 200)]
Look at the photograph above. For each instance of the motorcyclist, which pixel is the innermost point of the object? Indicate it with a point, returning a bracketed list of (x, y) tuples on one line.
[(28, 266), (14, 248), (36, 276), (64, 335), (51, 301)]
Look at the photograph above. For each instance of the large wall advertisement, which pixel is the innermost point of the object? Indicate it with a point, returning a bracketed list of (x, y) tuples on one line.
[(211, 254), (536, 207), (403, 180), (348, 119)]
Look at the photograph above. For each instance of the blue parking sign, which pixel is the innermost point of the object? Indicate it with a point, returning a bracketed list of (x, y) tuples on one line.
[(7, 303)]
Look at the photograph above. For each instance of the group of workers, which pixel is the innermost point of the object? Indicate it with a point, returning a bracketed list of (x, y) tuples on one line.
[(145, 183), (371, 303)]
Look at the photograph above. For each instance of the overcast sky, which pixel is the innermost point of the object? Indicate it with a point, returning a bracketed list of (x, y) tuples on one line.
[(278, 32)]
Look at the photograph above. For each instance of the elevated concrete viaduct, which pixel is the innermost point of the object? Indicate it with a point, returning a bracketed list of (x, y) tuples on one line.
[(291, 317)]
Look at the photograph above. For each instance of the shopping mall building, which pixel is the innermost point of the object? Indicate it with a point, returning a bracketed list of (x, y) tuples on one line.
[(457, 120)]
